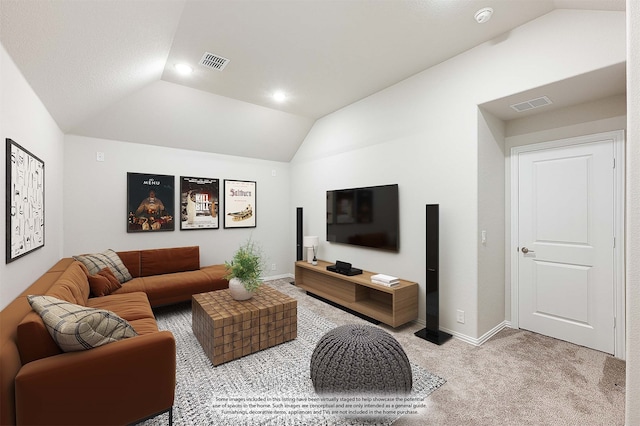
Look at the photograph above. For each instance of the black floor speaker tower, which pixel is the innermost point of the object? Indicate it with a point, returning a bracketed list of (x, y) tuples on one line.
[(298, 233), (432, 332)]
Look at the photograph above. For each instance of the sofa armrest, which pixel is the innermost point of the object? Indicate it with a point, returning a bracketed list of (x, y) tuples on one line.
[(117, 383)]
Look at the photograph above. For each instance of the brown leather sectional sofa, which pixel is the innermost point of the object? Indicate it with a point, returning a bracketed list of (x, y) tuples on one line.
[(118, 383)]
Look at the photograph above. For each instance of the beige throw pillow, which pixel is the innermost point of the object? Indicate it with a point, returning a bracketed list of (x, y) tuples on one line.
[(108, 259), (77, 328)]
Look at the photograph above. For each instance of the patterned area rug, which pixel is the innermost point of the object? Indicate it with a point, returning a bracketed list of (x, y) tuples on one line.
[(272, 387)]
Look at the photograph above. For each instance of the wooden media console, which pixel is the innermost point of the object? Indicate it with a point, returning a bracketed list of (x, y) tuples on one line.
[(394, 306)]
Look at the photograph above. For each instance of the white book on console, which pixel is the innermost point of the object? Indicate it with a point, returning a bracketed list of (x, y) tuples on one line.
[(385, 278), (386, 284)]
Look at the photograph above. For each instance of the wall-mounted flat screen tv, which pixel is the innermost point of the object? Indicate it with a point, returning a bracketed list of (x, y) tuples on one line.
[(367, 217)]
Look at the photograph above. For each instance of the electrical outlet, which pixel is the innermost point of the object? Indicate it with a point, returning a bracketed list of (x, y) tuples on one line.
[(273, 266), (99, 156), (460, 316)]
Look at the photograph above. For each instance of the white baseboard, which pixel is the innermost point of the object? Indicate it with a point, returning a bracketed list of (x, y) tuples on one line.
[(478, 341), (278, 277)]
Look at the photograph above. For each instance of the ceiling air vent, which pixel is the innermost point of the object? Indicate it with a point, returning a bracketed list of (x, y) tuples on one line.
[(216, 62), (531, 104)]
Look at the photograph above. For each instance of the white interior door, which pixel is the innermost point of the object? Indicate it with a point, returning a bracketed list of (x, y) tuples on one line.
[(566, 243)]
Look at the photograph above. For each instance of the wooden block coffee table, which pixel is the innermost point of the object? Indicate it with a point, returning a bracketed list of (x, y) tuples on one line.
[(228, 329)]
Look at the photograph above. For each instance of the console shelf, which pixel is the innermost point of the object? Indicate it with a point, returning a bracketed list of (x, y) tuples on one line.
[(394, 306)]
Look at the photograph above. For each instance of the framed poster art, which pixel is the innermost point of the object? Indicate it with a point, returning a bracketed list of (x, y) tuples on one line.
[(25, 202), (150, 202), (239, 204), (199, 203)]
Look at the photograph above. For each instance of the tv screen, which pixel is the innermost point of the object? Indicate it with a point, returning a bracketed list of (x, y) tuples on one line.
[(367, 217)]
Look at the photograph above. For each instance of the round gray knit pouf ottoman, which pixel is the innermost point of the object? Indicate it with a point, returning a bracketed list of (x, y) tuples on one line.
[(360, 359)]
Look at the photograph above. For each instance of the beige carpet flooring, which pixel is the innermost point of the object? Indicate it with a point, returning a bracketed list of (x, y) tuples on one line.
[(515, 378)]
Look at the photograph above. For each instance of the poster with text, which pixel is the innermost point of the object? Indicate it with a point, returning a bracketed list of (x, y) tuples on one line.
[(199, 203), (150, 202), (239, 204)]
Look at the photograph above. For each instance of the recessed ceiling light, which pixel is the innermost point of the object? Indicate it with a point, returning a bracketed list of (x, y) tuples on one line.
[(183, 69), (483, 15), (279, 96)]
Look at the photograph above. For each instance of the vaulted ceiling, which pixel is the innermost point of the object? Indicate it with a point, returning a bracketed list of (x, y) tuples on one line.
[(105, 68)]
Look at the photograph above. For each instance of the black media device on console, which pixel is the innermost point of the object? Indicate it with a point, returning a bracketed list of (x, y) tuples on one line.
[(344, 268)]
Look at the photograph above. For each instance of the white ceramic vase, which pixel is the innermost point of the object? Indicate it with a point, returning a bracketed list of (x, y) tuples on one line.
[(237, 290)]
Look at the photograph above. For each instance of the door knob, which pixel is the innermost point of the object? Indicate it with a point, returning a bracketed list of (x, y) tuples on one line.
[(526, 250)]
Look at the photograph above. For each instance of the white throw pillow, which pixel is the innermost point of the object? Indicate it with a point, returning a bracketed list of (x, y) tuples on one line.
[(77, 328)]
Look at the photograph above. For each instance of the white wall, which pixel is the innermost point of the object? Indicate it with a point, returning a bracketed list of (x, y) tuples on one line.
[(491, 210), (575, 118), (95, 201), (423, 134), (24, 119), (632, 405)]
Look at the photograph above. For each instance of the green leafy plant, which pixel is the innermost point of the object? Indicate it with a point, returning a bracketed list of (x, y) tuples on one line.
[(247, 265)]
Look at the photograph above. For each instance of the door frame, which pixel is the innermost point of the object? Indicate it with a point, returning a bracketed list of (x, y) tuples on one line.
[(617, 136)]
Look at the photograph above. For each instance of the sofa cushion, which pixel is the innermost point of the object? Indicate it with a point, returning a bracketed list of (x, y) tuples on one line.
[(131, 260), (72, 285), (168, 289), (103, 283), (63, 291), (169, 260), (129, 306), (108, 259), (33, 339), (133, 286), (75, 328), (145, 326), (217, 273)]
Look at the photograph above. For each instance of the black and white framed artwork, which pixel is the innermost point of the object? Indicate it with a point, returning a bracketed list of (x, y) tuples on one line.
[(25, 202)]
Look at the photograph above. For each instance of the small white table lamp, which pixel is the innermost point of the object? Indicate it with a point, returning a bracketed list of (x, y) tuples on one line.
[(311, 243)]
